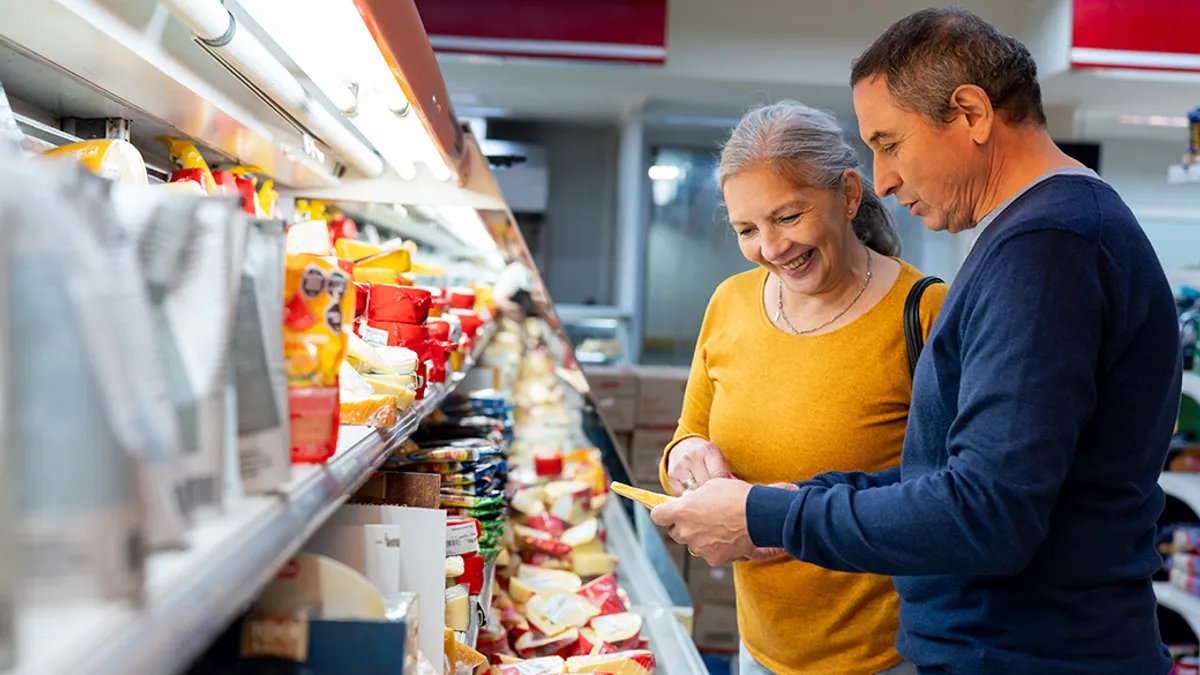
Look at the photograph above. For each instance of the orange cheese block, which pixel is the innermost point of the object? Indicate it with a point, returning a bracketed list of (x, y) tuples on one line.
[(371, 411), (643, 497)]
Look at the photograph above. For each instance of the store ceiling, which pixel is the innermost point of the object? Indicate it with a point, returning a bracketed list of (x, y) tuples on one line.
[(723, 57)]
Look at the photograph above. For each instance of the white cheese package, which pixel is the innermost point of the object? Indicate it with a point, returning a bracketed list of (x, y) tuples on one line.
[(190, 252), (91, 412), (264, 450)]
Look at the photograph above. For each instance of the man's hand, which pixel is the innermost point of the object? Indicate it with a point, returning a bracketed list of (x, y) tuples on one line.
[(768, 553), (710, 520), (694, 462)]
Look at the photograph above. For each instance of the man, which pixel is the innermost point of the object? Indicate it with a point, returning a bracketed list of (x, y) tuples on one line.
[(1020, 525)]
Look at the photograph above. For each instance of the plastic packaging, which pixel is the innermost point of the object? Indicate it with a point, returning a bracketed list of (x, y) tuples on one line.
[(318, 300), (190, 251), (81, 327), (264, 449)]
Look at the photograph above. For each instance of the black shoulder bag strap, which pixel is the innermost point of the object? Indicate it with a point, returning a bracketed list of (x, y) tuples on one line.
[(914, 336)]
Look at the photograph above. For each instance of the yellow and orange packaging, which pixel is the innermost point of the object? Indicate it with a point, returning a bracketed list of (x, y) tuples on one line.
[(318, 301)]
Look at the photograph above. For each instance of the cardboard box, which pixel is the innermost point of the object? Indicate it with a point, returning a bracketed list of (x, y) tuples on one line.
[(619, 382), (660, 396), (715, 627), (624, 441), (617, 413), (709, 585), (645, 453)]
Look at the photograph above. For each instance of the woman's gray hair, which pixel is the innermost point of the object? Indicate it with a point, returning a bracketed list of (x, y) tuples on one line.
[(807, 146)]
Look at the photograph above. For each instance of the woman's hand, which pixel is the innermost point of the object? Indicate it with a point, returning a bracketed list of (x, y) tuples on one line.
[(693, 463)]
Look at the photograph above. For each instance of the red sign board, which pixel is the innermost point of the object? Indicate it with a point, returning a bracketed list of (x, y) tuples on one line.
[(1138, 34), (602, 30)]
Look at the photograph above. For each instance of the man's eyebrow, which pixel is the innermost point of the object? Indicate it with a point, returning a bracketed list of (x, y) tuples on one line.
[(880, 136)]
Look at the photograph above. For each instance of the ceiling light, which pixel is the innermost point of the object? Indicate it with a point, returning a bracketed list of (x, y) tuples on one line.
[(1153, 120), (665, 172)]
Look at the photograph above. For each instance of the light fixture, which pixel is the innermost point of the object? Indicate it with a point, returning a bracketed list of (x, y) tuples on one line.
[(330, 42), (1153, 120), (665, 172), (464, 224)]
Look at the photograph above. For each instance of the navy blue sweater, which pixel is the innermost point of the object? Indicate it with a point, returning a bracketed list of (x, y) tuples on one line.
[(1020, 525)]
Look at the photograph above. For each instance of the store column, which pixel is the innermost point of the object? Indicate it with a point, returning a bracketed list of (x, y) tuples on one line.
[(633, 204)]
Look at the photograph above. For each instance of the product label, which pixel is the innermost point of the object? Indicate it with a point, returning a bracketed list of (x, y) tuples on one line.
[(461, 539), (275, 636), (373, 336), (533, 668), (557, 608)]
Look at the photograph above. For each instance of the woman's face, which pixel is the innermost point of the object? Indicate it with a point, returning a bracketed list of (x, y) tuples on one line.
[(800, 234)]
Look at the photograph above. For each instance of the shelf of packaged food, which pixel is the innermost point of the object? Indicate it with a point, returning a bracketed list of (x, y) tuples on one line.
[(191, 595), (1182, 486), (1179, 601)]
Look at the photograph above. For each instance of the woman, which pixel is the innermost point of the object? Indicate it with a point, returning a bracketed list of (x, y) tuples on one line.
[(801, 367)]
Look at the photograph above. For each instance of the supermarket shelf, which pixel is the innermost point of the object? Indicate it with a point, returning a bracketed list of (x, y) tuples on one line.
[(192, 595), (1179, 601), (1191, 385), (1183, 486)]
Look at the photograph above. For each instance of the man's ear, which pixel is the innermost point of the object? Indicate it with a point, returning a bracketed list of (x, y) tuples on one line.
[(970, 105)]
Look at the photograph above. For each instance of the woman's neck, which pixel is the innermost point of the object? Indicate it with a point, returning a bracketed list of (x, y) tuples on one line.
[(846, 281)]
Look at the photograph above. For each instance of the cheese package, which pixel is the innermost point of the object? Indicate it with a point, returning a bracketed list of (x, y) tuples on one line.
[(550, 665), (454, 566), (189, 164), (535, 644), (458, 608), (636, 662), (589, 565), (322, 588), (317, 301), (643, 497), (604, 593), (620, 630), (554, 613), (378, 410), (110, 158), (462, 536)]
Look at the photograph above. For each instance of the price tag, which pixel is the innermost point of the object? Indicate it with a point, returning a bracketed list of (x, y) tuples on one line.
[(275, 636), (373, 336)]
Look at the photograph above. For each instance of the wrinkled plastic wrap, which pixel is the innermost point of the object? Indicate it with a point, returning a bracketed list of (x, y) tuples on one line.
[(92, 417), (189, 251), (264, 449)]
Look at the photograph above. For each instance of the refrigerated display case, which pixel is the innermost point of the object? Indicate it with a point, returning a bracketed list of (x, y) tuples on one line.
[(334, 102)]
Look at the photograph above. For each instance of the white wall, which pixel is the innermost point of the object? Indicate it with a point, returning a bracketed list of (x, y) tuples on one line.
[(1170, 214)]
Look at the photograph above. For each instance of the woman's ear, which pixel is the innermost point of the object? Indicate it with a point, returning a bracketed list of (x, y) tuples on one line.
[(852, 188)]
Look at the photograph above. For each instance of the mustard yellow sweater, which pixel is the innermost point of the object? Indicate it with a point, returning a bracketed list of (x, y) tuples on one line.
[(784, 408)]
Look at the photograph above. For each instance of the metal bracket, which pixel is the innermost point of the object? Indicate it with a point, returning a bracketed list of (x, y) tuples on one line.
[(101, 127)]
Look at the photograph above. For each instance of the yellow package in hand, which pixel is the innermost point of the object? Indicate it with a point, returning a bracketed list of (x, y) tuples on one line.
[(643, 497)]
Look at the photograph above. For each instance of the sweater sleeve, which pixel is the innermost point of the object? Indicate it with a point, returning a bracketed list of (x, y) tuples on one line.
[(859, 480), (697, 396), (1029, 350)]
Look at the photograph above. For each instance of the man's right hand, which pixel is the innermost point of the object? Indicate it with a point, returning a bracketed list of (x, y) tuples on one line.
[(693, 463)]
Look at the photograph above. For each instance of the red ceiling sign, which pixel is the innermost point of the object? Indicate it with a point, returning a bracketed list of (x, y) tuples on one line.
[(1140, 34), (600, 30)]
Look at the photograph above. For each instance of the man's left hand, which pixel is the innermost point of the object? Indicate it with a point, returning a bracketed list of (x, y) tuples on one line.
[(710, 521)]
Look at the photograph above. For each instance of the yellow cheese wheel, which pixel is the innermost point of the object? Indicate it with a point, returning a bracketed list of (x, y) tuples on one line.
[(110, 158)]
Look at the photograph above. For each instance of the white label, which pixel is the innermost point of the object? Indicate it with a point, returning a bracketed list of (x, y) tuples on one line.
[(607, 625), (535, 668), (541, 583), (461, 539), (373, 336), (557, 608)]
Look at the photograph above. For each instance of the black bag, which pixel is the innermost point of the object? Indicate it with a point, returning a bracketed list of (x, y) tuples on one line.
[(913, 335)]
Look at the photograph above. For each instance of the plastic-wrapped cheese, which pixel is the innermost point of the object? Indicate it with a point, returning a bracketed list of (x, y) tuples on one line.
[(109, 158), (620, 630), (550, 665), (555, 613), (458, 610), (593, 564), (324, 588), (370, 411), (638, 662)]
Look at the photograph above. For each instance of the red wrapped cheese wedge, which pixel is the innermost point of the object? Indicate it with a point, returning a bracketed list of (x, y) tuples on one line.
[(620, 630), (401, 304), (552, 665), (536, 645)]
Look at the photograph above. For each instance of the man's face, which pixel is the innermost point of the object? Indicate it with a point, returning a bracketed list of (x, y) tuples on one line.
[(935, 172)]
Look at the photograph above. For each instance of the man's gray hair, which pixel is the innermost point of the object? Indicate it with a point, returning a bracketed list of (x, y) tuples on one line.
[(808, 147), (928, 54)]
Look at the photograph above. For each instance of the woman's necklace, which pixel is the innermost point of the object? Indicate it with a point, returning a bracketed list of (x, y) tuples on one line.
[(780, 317)]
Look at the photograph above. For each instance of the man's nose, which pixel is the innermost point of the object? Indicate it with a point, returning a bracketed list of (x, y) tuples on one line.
[(887, 180)]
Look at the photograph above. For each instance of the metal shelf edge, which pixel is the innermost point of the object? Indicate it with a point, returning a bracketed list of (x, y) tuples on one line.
[(192, 595), (1179, 601)]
